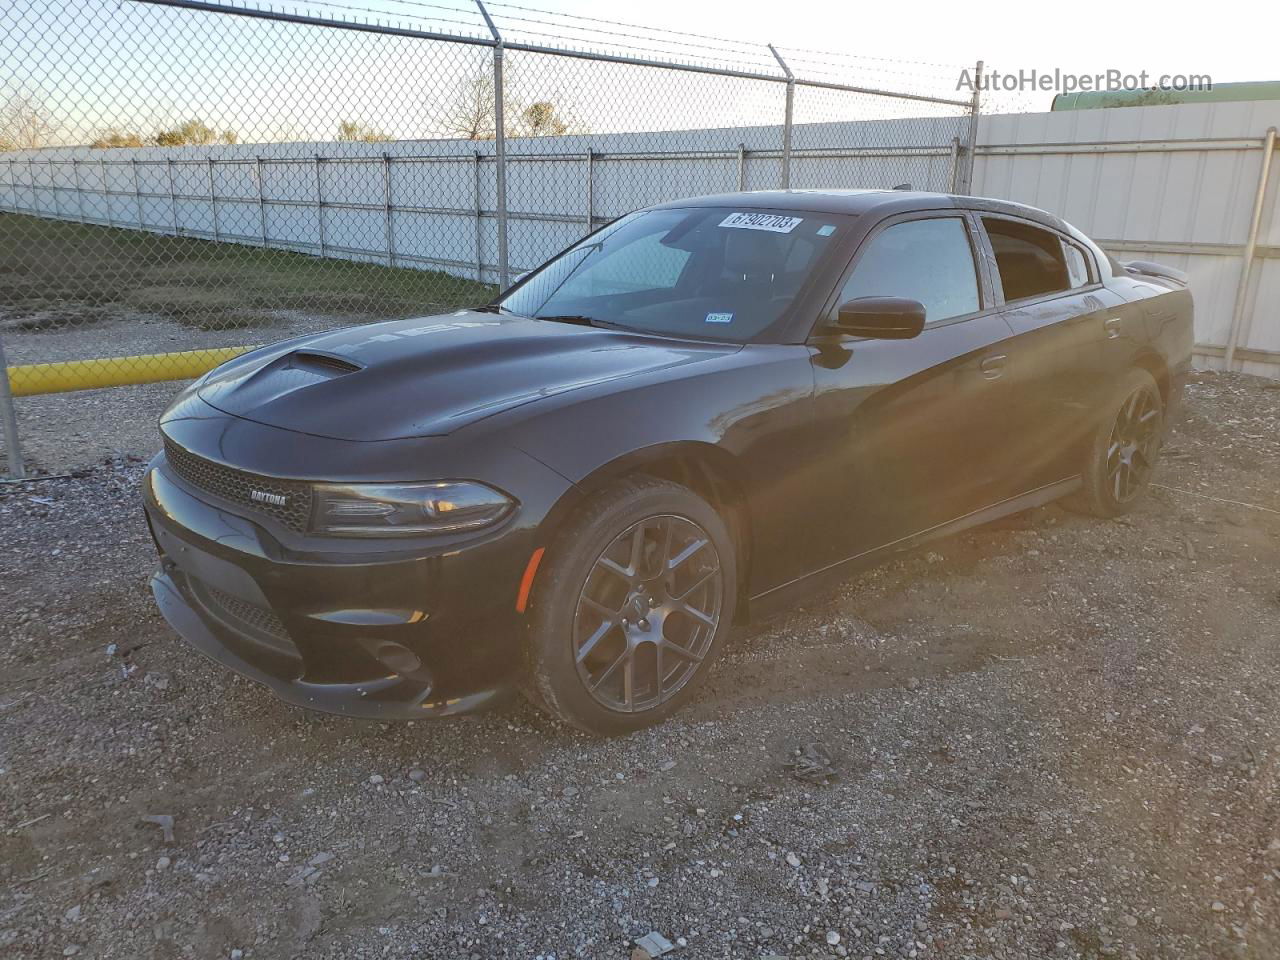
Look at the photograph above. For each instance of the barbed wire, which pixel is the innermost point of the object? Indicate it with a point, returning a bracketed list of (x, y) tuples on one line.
[(588, 34)]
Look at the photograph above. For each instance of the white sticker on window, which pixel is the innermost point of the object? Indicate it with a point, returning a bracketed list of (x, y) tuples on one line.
[(826, 230), (762, 221), (719, 318)]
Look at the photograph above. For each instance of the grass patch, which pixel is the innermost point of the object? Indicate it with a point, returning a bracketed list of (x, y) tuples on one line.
[(53, 269)]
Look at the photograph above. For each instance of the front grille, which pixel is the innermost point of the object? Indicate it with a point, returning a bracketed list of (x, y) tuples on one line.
[(287, 501), (245, 617)]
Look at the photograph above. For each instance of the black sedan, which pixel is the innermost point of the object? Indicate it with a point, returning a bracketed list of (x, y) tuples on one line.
[(685, 420)]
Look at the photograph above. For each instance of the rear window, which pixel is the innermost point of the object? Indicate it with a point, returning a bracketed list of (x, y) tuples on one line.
[(1029, 260)]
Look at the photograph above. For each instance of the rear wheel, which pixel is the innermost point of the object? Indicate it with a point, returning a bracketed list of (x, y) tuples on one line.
[(631, 608), (1125, 447)]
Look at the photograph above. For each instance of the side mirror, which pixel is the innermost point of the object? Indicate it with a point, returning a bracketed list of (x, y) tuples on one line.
[(881, 318)]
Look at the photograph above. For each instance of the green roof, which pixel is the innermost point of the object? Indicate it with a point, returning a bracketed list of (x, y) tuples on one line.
[(1219, 93)]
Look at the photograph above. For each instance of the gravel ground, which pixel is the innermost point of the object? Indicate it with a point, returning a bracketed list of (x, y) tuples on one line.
[(1054, 737)]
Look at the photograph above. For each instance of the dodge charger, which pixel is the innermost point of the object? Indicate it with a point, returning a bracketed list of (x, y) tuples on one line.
[(692, 417)]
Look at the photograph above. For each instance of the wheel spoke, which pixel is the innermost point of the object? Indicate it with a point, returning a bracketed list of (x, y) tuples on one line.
[(1119, 481), (629, 681), (616, 569), (1147, 424), (1131, 407), (665, 554), (676, 562), (602, 631), (624, 656), (682, 652), (696, 614), (637, 549), (608, 613), (700, 581)]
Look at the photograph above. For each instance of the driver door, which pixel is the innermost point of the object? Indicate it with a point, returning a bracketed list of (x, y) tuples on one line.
[(916, 427)]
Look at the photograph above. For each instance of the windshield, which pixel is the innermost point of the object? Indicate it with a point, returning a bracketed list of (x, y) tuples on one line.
[(719, 273)]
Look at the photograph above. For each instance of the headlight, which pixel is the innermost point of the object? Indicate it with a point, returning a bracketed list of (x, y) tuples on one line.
[(396, 509)]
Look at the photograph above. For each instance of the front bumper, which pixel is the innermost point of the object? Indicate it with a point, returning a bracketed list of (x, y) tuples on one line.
[(376, 629)]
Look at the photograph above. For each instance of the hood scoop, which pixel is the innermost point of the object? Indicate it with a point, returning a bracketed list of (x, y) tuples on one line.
[(320, 362), (288, 374)]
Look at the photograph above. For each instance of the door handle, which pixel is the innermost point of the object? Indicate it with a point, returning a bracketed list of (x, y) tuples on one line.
[(1112, 326), (993, 367)]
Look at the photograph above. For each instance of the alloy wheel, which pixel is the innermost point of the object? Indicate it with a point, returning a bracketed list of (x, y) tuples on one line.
[(1134, 442), (648, 613)]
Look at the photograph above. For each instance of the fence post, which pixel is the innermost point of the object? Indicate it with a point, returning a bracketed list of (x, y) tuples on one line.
[(786, 122), (75, 178), (13, 446), (319, 206), (1250, 248), (742, 167), (955, 164), (173, 197), (591, 190), (137, 192), (53, 188), (106, 191), (13, 186), (499, 147), (386, 203), (213, 199), (971, 135), (262, 201), (479, 195)]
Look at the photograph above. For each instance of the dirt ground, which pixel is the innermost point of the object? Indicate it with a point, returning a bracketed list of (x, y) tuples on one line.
[(1056, 737)]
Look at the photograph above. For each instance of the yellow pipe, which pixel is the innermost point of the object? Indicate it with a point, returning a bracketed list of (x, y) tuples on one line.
[(33, 378)]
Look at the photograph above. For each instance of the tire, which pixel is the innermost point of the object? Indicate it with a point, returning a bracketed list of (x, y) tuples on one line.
[(613, 644), (1124, 447)]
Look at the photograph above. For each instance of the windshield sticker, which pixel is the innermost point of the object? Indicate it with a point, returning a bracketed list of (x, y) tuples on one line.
[(826, 230), (761, 221), (719, 318)]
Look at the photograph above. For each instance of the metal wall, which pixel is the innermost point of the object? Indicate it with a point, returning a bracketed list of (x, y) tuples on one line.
[(1175, 184), (434, 203)]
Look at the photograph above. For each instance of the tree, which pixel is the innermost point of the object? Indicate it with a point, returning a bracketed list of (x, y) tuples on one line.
[(26, 123), (352, 131), (194, 133), (112, 138), (470, 115), (540, 119)]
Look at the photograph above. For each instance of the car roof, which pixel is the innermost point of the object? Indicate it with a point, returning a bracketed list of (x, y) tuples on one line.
[(860, 202)]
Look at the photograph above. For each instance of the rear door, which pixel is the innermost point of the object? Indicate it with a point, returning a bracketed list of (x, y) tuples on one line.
[(913, 425), (1060, 312)]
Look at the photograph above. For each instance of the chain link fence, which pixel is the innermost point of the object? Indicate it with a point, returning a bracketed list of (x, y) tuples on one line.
[(183, 180)]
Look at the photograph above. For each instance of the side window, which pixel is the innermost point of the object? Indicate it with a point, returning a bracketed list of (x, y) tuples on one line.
[(1030, 260), (645, 264), (926, 260), (1077, 267)]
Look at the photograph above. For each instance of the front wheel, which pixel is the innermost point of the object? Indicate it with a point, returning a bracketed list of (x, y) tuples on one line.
[(632, 607), (1125, 447)]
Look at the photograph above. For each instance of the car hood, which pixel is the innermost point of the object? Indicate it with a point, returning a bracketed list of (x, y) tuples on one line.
[(430, 376)]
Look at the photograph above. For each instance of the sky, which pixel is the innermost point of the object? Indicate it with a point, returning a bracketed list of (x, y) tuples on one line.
[(1229, 40), (116, 64)]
